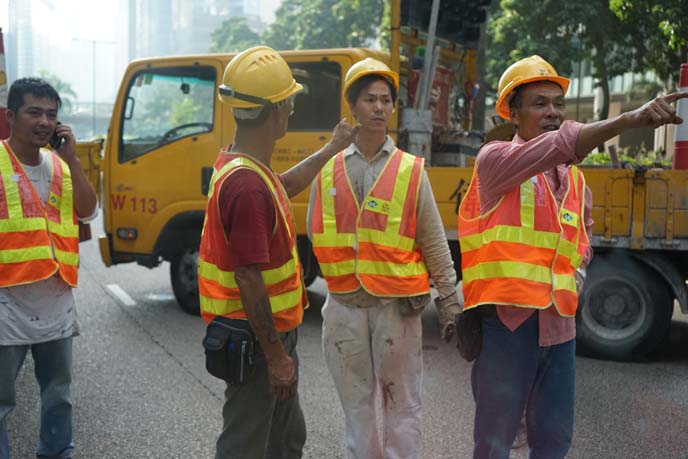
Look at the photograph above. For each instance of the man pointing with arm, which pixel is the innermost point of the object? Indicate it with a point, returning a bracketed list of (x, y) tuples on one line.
[(524, 229)]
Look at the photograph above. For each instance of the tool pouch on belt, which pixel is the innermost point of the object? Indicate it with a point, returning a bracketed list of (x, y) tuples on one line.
[(230, 349), (469, 339)]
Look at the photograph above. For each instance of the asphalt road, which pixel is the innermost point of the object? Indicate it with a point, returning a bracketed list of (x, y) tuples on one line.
[(141, 389)]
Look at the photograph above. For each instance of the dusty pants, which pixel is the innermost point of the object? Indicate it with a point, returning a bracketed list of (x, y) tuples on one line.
[(375, 358)]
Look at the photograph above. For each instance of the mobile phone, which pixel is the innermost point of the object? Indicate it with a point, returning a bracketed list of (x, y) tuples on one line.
[(56, 140)]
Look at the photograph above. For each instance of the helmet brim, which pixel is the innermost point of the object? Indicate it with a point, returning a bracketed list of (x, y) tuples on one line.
[(390, 76), (502, 105)]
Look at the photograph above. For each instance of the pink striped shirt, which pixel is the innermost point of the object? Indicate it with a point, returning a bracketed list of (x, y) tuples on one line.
[(503, 166)]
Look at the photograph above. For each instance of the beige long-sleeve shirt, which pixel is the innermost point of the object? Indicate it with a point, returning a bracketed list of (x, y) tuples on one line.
[(430, 235)]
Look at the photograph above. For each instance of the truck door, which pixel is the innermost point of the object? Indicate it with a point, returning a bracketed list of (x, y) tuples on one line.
[(165, 131)]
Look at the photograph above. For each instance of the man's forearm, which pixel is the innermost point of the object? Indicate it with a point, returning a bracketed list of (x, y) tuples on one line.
[(300, 176), (598, 132), (85, 198), (256, 301), (653, 114)]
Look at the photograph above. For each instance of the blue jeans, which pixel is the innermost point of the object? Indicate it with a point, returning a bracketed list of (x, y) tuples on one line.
[(512, 374), (53, 369)]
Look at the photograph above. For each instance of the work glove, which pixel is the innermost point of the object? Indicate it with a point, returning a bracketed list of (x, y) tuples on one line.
[(447, 309)]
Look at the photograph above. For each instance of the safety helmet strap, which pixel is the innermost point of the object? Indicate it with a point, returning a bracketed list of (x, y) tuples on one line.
[(231, 92)]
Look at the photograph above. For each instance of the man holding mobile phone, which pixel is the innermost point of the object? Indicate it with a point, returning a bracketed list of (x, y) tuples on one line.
[(43, 192)]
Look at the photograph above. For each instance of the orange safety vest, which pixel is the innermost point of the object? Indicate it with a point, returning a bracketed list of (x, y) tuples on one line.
[(36, 241), (372, 246), (218, 289), (524, 251)]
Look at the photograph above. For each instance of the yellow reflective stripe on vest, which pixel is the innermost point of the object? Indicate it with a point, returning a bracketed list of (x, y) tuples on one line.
[(512, 269), (227, 279), (519, 270), (395, 240), (278, 303), (67, 205), (244, 162), (504, 233), (401, 185), (391, 269), (23, 224), (327, 203), (517, 234), (39, 223), (68, 258), (25, 254), (565, 282), (528, 203), (14, 208), (66, 230), (339, 268), (333, 239), (238, 162)]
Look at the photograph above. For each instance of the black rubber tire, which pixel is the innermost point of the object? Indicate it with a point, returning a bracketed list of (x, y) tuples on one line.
[(625, 309), (184, 278), (311, 268)]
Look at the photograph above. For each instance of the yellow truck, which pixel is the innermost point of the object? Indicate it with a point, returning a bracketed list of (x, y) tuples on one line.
[(168, 126)]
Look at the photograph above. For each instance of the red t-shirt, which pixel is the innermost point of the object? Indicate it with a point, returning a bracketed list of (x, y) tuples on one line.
[(247, 211)]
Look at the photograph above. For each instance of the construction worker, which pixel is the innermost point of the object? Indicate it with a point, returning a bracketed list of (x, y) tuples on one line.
[(378, 237), (43, 191), (524, 229), (249, 272)]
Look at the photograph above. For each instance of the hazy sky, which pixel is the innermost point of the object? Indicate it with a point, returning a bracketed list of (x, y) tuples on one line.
[(74, 25), (87, 14)]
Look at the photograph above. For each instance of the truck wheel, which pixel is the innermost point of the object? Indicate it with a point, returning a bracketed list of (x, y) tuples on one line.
[(184, 277), (624, 311), (311, 269)]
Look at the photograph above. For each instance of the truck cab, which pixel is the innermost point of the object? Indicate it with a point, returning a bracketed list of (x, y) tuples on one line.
[(166, 131)]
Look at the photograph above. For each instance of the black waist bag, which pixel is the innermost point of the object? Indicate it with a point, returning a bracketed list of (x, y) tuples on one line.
[(230, 349)]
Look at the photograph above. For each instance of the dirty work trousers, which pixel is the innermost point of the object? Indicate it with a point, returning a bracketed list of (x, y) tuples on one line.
[(53, 369), (512, 374), (256, 424), (375, 357)]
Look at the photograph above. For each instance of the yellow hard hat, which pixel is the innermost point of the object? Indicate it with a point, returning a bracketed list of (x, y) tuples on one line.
[(527, 70), (369, 66), (257, 76)]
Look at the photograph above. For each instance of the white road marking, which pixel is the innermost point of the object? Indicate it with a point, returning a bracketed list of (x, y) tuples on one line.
[(121, 295)]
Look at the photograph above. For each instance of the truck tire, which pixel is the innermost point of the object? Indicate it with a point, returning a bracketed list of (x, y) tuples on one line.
[(625, 309), (311, 269), (184, 277)]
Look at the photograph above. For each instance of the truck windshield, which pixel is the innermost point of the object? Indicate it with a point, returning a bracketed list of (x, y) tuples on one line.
[(164, 105)]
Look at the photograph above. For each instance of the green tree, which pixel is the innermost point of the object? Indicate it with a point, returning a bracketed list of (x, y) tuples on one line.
[(308, 24), (661, 31), (233, 35), (64, 89), (563, 33)]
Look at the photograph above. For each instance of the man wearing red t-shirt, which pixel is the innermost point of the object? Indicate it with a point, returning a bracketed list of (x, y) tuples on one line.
[(249, 272)]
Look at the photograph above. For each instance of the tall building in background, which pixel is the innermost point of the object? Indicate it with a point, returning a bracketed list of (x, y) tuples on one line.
[(249, 9), (19, 40), (174, 27), (154, 33)]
